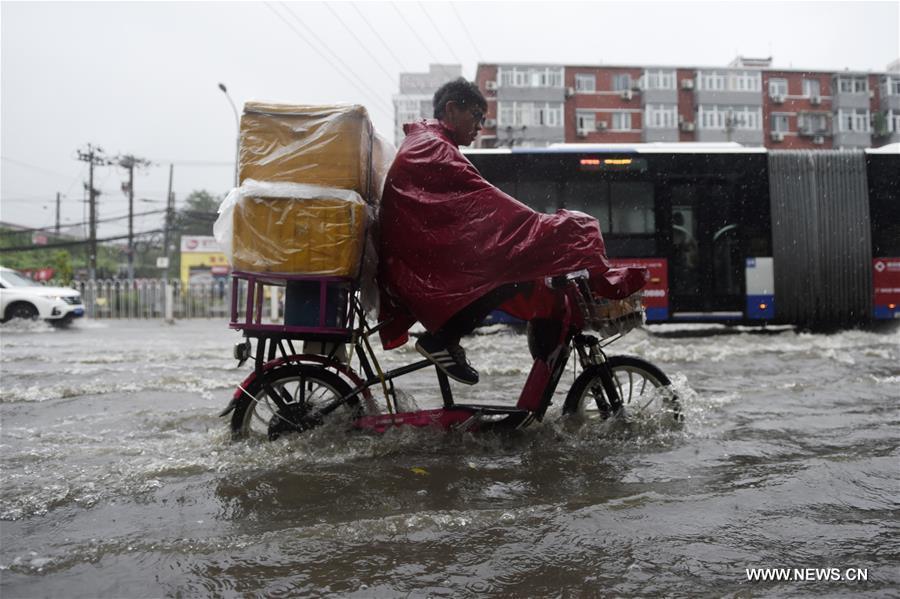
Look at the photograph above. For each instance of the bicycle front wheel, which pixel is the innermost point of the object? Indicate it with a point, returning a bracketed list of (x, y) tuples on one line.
[(302, 390), (623, 381)]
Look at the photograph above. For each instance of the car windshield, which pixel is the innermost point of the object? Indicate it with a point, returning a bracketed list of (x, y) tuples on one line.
[(11, 278)]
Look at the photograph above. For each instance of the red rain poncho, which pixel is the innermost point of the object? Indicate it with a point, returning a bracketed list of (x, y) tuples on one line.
[(449, 237)]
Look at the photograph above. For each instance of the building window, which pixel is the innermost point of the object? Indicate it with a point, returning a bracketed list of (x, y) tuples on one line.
[(621, 82), (890, 86), (585, 122), (893, 121), (812, 123), (585, 82), (529, 114), (811, 87), (853, 85), (730, 117), (780, 123), (504, 114), (778, 87), (658, 79), (711, 81), (853, 120), (744, 81), (530, 77), (621, 121), (660, 116)]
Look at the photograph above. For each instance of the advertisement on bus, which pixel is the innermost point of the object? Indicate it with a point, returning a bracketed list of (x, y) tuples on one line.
[(656, 293)]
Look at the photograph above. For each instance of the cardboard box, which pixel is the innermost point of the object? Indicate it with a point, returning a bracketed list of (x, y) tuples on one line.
[(330, 146), (315, 236)]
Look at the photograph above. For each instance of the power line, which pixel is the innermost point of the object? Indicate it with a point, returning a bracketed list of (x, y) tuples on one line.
[(100, 220), (374, 94), (378, 35), (416, 34), (194, 163), (23, 248), (327, 59), (361, 45), (440, 34), (466, 31), (38, 168)]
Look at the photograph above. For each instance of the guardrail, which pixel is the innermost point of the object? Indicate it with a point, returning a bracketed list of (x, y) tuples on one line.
[(147, 299)]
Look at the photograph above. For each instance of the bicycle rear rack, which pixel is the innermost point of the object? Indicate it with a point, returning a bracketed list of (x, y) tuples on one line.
[(315, 308)]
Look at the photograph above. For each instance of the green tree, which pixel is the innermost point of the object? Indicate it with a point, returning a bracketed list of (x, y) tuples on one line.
[(198, 214), (196, 217)]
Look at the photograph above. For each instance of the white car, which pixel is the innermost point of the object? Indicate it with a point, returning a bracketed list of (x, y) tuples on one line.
[(20, 297)]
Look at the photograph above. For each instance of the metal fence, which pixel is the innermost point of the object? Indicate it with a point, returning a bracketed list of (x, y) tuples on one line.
[(146, 298)]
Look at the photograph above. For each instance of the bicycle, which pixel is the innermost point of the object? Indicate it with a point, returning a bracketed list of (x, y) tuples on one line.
[(298, 391)]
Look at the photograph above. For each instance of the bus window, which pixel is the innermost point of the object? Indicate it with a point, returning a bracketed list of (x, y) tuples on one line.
[(589, 196), (684, 276), (632, 207), (727, 259), (506, 186), (539, 195)]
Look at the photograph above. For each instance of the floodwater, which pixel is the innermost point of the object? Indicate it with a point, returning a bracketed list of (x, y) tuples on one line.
[(119, 479)]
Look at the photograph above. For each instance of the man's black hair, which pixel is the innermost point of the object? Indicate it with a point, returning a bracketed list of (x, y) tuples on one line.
[(464, 93)]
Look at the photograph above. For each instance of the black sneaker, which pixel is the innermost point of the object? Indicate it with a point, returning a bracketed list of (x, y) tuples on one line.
[(452, 360)]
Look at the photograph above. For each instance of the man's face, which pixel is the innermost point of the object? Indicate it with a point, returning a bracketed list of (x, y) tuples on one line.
[(464, 121)]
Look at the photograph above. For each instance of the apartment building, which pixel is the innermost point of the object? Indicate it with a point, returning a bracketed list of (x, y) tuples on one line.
[(747, 102), (414, 102)]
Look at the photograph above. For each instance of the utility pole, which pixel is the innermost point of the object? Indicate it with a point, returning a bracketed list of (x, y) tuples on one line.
[(170, 212), (57, 214), (128, 161), (94, 157)]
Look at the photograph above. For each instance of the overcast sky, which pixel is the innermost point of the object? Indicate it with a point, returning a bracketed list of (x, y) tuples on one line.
[(141, 77)]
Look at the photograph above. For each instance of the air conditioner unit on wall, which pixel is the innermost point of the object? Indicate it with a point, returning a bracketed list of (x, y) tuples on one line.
[(581, 133), (819, 140), (815, 100), (490, 123), (601, 125), (778, 98), (687, 126), (777, 136), (627, 94), (570, 91), (687, 84), (490, 85)]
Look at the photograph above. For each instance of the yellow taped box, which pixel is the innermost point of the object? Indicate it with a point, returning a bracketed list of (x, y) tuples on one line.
[(315, 236), (330, 146)]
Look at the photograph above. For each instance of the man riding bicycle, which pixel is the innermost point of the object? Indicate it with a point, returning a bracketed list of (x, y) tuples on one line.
[(453, 247)]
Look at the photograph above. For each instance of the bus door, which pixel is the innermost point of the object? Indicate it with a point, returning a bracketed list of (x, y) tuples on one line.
[(706, 265)]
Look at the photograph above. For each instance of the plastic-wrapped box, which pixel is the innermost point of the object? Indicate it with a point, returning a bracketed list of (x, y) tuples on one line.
[(292, 228), (329, 146)]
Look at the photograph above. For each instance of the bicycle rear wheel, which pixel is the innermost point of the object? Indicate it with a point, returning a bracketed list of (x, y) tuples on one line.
[(624, 381), (303, 389)]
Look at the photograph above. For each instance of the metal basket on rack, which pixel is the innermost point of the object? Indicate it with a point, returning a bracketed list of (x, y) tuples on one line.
[(611, 317)]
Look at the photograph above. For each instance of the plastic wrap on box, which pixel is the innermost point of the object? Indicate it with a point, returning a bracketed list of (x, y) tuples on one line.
[(329, 146), (293, 228)]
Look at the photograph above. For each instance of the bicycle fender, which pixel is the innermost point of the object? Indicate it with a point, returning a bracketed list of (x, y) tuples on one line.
[(343, 369)]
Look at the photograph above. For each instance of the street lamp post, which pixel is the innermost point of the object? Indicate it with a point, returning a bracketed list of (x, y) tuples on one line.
[(237, 120)]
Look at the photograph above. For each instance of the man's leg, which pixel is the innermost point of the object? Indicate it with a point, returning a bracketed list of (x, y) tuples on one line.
[(442, 346), (466, 320)]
